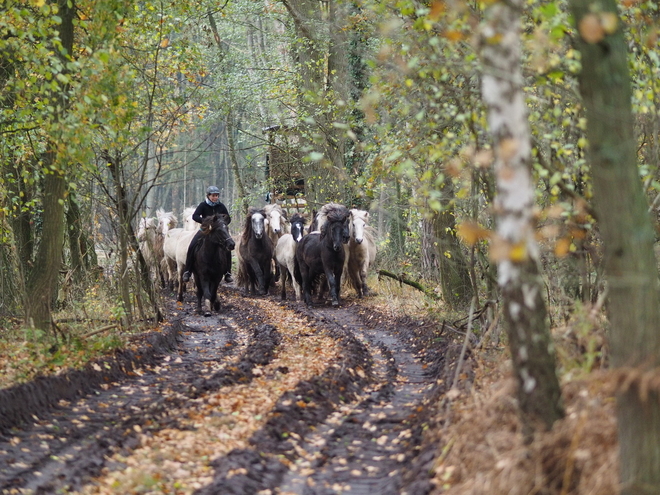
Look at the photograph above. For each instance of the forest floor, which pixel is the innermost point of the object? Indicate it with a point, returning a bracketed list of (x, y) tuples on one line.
[(270, 397)]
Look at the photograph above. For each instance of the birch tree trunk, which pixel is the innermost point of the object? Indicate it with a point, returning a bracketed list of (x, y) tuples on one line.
[(514, 246), (628, 236)]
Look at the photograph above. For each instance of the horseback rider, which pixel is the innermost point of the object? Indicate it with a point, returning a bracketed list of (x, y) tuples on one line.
[(209, 207)]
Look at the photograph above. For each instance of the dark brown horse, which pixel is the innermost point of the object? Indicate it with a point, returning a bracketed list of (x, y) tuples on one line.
[(323, 252), (211, 261), (255, 251)]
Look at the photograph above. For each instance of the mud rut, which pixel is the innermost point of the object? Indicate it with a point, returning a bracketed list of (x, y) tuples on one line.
[(364, 435)]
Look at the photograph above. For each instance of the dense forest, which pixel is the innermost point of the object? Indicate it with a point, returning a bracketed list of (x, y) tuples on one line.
[(507, 152)]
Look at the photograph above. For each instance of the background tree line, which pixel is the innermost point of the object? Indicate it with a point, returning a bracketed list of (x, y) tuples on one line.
[(113, 109)]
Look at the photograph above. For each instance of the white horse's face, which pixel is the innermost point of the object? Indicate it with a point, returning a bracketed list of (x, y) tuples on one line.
[(258, 225), (275, 222), (357, 228), (147, 228), (165, 223)]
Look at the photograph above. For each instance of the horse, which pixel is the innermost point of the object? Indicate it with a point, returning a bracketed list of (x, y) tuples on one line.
[(166, 221), (255, 254), (285, 253), (211, 264), (175, 248), (322, 252), (275, 229), (361, 251), (147, 239)]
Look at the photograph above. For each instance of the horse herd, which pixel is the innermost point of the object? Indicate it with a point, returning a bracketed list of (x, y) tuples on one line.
[(338, 245)]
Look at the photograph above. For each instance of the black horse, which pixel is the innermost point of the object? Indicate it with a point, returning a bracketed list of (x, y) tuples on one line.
[(255, 254), (211, 261), (323, 252)]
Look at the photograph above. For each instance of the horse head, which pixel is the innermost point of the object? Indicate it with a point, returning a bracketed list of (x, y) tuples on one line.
[(147, 229), (258, 223), (297, 226), (358, 222), (255, 225), (336, 226), (166, 221), (274, 218), (216, 229)]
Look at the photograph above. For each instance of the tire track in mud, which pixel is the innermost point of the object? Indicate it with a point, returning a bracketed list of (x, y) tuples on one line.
[(356, 423), (69, 445), (357, 441), (363, 450)]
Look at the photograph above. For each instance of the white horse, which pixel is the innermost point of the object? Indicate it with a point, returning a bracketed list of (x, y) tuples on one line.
[(175, 247), (147, 236), (360, 252), (166, 222), (285, 253), (276, 227)]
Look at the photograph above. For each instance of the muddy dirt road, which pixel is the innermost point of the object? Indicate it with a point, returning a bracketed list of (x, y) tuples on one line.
[(265, 397)]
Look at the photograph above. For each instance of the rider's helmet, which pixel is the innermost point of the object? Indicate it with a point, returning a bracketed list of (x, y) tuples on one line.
[(212, 190)]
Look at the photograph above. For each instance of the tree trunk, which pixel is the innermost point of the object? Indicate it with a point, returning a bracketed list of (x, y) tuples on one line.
[(514, 247), (454, 274), (229, 131), (75, 238), (41, 285), (325, 177), (628, 236)]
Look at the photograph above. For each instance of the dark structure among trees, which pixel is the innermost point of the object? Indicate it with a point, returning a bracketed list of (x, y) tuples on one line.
[(283, 160)]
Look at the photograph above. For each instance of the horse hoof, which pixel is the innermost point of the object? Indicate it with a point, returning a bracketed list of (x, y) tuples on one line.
[(335, 303), (207, 313)]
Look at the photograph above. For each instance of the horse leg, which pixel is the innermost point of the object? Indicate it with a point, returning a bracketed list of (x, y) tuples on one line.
[(215, 302), (181, 287), (206, 293), (200, 296), (260, 277), (363, 279), (277, 271), (334, 283), (306, 285), (284, 272)]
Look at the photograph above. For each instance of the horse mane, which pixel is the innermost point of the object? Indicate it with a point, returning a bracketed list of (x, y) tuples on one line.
[(188, 222), (207, 222), (145, 224), (274, 206), (332, 212), (167, 220), (364, 214), (247, 224), (297, 217)]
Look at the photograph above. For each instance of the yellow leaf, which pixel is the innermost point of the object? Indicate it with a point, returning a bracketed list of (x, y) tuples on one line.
[(472, 232), (518, 252), (39, 3), (562, 247), (165, 42), (437, 9)]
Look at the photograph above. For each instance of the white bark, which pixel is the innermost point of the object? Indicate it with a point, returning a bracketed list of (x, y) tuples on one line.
[(515, 247)]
